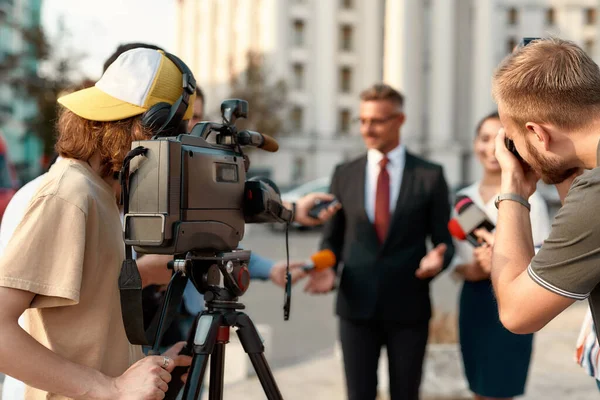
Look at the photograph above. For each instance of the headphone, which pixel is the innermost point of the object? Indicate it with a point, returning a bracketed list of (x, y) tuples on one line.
[(163, 118)]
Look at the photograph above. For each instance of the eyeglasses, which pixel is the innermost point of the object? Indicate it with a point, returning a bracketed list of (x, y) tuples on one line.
[(374, 121)]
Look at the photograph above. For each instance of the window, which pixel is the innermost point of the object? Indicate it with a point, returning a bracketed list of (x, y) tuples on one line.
[(347, 4), (590, 16), (588, 46), (550, 17), (511, 44), (345, 80), (346, 38), (513, 16), (296, 117), (298, 33), (298, 76), (345, 121)]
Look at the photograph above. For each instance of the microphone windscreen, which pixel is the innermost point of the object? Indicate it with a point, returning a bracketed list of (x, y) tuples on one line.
[(269, 144), (456, 230), (323, 259)]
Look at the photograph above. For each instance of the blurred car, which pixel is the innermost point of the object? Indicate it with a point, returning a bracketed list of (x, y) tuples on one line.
[(8, 178), (320, 185)]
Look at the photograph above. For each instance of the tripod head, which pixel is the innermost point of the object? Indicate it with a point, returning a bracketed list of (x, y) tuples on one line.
[(222, 277)]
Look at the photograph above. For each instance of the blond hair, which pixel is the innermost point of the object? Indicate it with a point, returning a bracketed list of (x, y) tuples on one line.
[(381, 91), (548, 81)]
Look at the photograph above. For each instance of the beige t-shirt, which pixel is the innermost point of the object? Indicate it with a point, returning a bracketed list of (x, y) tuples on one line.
[(68, 250)]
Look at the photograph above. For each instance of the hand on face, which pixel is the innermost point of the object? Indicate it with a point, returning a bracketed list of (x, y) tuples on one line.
[(515, 179)]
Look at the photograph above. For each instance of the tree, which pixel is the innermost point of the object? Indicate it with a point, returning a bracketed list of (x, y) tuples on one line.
[(20, 70), (266, 100)]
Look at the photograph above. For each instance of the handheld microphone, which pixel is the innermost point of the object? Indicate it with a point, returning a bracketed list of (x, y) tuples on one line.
[(259, 140), (319, 261), (469, 219)]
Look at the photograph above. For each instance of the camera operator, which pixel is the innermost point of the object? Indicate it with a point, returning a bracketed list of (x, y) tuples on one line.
[(64, 258), (548, 96)]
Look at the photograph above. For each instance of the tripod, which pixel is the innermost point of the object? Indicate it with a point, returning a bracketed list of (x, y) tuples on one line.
[(211, 328)]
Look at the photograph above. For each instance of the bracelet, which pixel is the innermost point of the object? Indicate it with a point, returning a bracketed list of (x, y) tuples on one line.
[(513, 197)]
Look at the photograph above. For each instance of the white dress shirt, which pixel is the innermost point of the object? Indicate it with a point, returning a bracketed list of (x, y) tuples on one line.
[(395, 168)]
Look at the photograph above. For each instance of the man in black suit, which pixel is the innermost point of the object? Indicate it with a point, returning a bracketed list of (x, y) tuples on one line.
[(392, 201)]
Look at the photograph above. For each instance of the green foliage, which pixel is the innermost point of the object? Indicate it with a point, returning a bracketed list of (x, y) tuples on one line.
[(20, 70)]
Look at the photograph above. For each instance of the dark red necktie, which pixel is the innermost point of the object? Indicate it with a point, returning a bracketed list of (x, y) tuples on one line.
[(382, 201)]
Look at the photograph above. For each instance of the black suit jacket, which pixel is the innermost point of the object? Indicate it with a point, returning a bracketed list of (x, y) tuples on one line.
[(378, 281)]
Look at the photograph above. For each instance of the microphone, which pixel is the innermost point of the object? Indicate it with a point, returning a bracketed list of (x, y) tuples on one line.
[(469, 219), (269, 144), (260, 140), (319, 261)]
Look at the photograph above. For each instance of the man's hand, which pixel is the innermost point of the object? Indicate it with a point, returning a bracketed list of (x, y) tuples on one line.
[(181, 360), (307, 202), (320, 282), (147, 379), (432, 263), (515, 179), (278, 272)]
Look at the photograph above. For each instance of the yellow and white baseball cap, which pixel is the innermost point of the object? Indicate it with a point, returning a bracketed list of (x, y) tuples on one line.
[(137, 80)]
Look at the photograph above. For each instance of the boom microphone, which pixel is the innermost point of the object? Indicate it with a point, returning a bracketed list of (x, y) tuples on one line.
[(469, 219), (321, 260)]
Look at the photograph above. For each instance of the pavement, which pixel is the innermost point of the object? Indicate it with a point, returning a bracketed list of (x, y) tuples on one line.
[(553, 373)]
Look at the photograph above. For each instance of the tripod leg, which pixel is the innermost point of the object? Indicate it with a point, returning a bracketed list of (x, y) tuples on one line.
[(195, 377), (202, 339), (217, 370), (253, 346)]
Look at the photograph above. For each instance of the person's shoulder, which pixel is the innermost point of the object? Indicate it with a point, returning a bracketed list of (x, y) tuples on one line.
[(590, 177), (585, 184), (69, 181), (351, 164), (423, 163)]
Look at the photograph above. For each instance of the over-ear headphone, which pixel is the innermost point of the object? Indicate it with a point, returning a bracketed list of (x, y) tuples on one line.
[(164, 119)]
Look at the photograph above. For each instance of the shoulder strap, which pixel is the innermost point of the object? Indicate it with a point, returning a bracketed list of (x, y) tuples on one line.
[(130, 283)]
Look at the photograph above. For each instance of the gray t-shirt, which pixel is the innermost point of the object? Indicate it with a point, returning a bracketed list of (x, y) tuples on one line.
[(568, 263)]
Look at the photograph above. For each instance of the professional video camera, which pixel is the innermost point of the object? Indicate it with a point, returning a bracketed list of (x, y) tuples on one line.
[(187, 197), (187, 194)]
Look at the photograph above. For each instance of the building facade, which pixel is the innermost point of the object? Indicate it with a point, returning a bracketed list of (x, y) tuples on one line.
[(17, 108), (439, 53)]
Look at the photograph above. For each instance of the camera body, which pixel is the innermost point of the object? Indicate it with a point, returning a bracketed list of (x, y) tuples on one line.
[(186, 194)]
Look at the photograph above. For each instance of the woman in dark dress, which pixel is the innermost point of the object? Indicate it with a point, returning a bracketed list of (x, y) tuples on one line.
[(495, 360)]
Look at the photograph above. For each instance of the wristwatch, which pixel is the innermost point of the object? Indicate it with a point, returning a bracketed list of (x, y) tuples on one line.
[(512, 197)]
